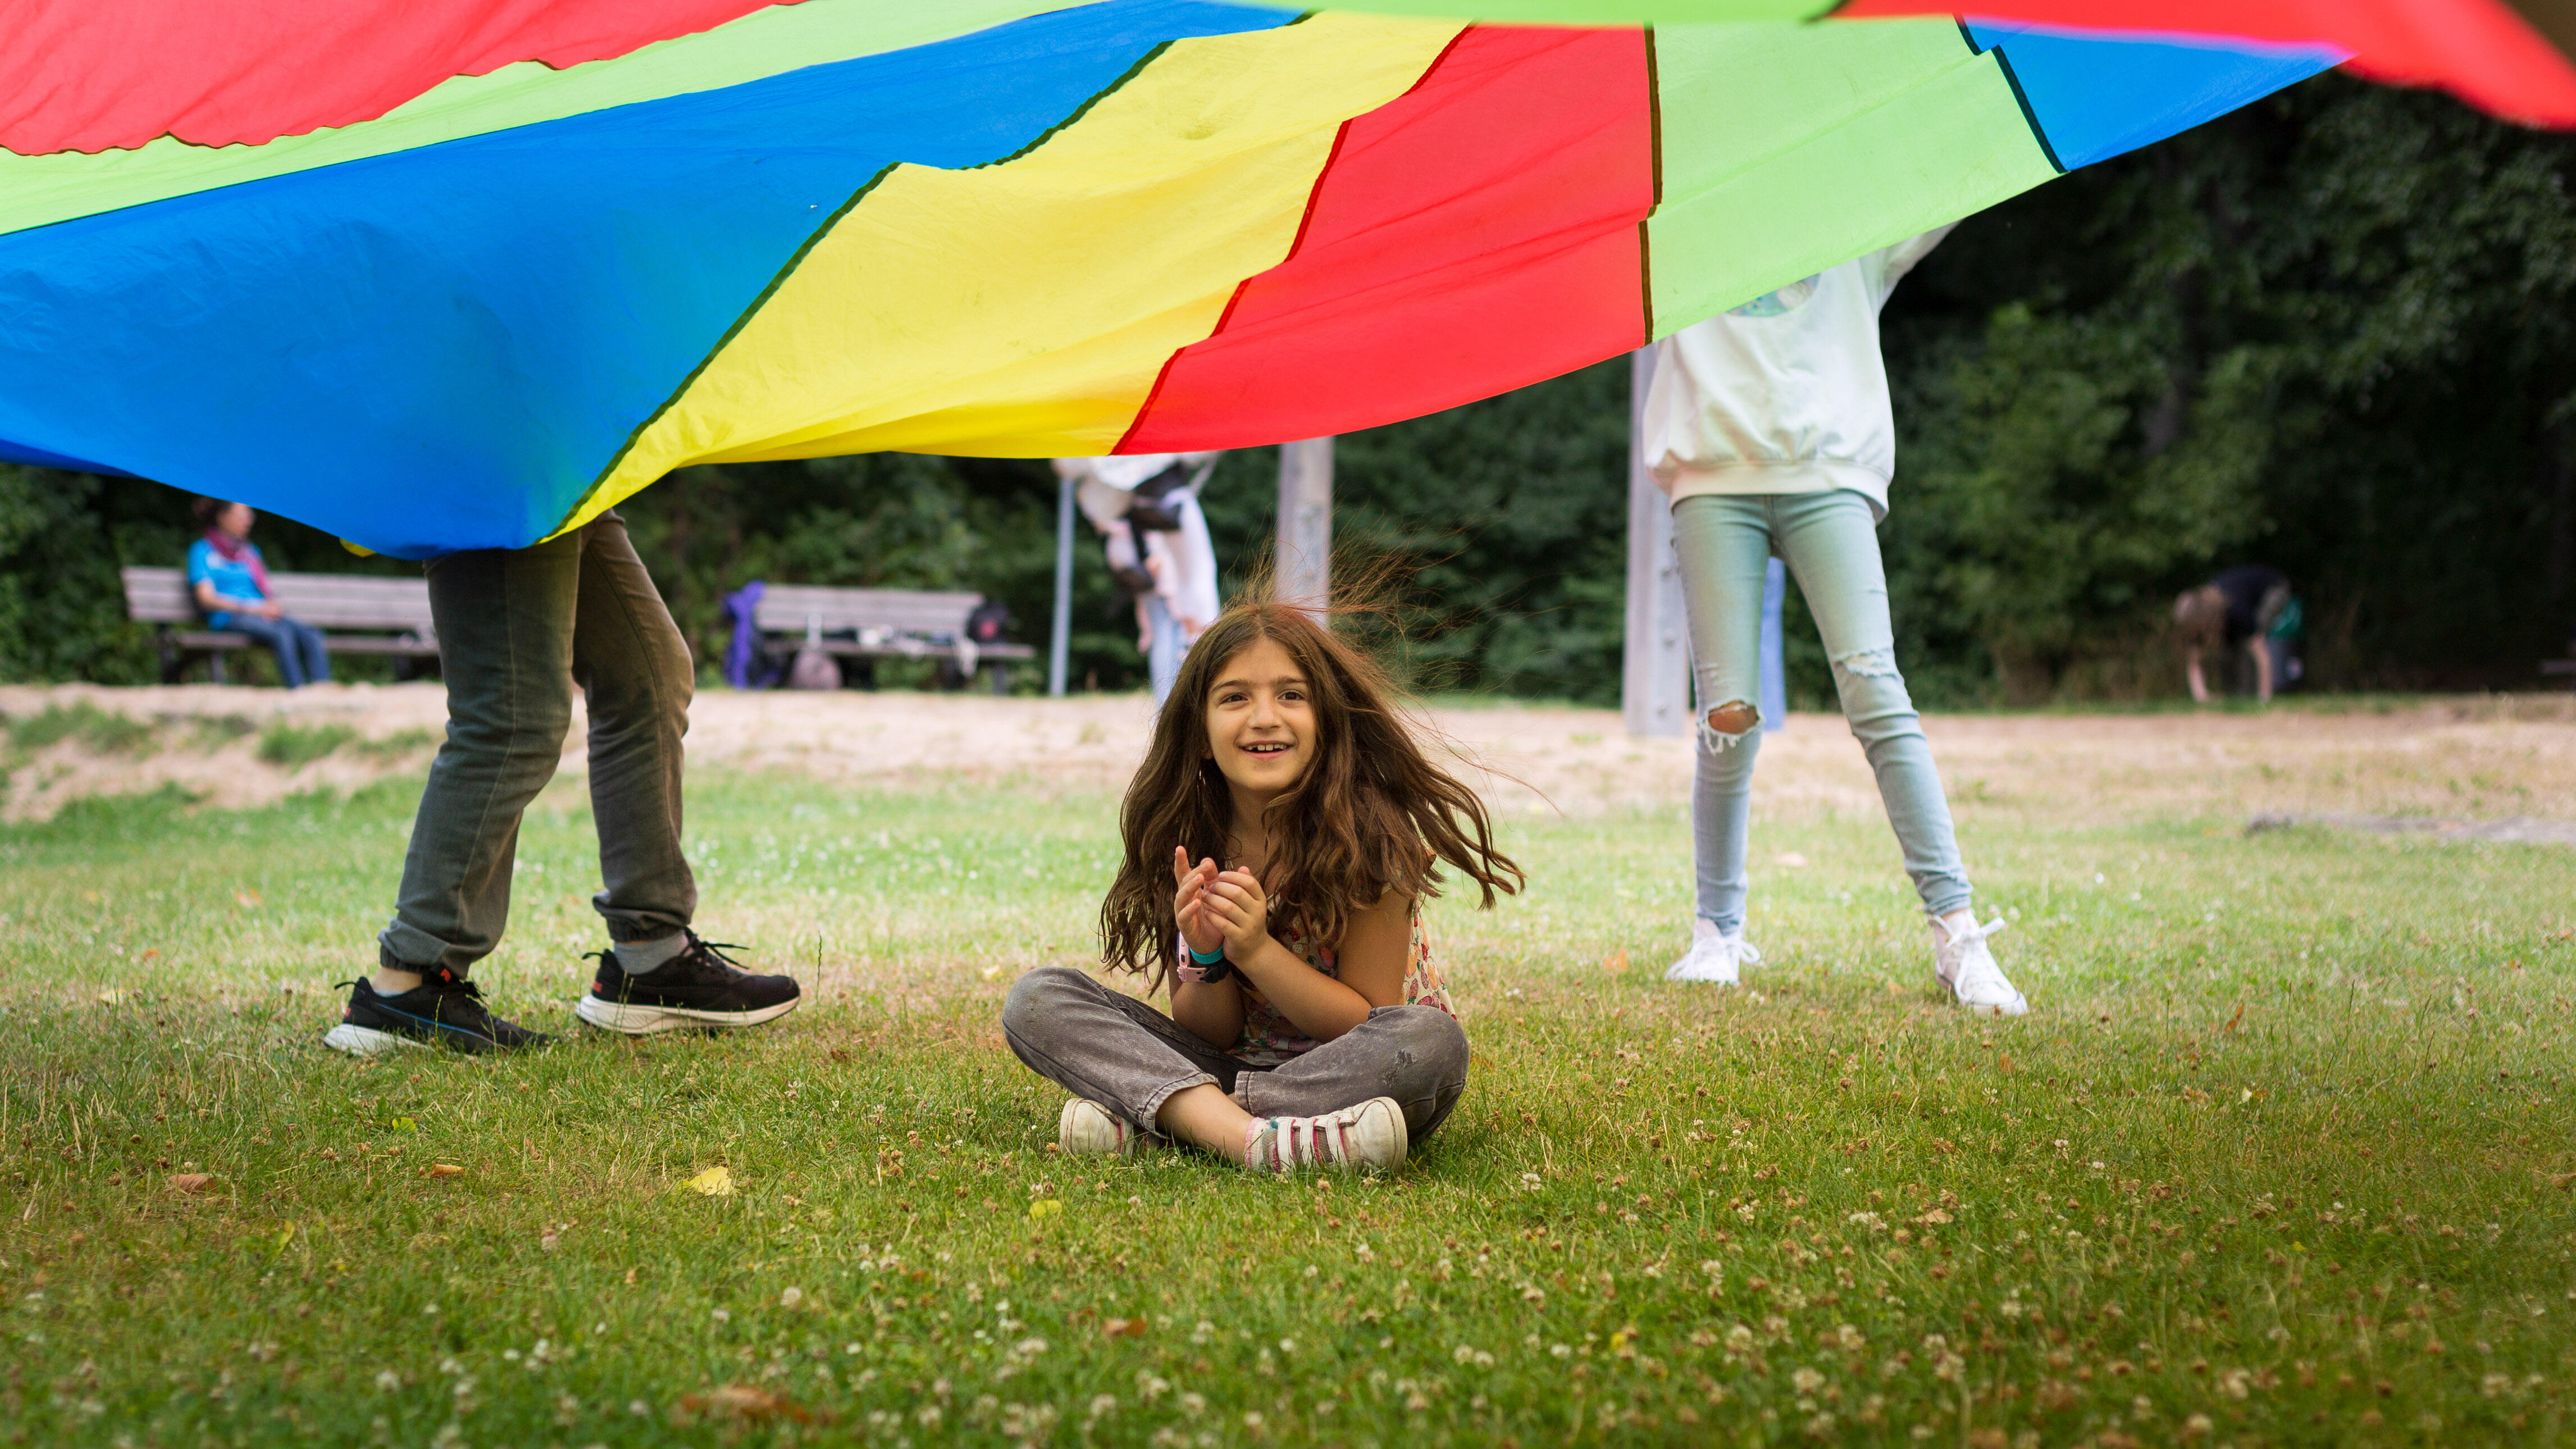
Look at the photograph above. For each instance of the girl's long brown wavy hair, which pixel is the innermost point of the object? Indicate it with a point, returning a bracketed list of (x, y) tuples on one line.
[(1373, 813)]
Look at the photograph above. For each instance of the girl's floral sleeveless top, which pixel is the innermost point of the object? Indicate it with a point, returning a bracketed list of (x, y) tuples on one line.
[(1270, 1038)]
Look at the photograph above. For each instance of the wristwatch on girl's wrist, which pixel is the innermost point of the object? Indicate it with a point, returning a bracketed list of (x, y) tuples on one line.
[(1213, 966)]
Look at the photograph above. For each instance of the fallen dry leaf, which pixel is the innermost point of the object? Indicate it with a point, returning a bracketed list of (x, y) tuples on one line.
[(444, 1169), (1617, 964), (714, 1182), (189, 1181), (739, 1401), (1123, 1328), (115, 995)]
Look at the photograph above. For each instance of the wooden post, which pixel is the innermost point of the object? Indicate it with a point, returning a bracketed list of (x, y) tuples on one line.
[(1305, 547), (1060, 632), (1654, 685)]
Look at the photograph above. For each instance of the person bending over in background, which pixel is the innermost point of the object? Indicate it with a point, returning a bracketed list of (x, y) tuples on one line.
[(2249, 608), (1771, 429), (230, 583), (517, 629), (1309, 1026), (1145, 506)]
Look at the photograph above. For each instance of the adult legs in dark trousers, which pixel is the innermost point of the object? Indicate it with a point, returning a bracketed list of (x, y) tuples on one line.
[(517, 630)]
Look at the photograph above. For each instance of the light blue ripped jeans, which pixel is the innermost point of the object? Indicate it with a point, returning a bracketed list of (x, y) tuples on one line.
[(1830, 542)]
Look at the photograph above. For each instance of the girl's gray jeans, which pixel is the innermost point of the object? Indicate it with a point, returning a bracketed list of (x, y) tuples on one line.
[(1724, 545), (1113, 1049)]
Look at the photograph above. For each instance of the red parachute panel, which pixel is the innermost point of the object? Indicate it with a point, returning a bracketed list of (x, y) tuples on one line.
[(91, 75), (1490, 213)]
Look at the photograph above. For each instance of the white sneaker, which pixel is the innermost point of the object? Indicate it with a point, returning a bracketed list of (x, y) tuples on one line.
[(1087, 1129), (1962, 961), (1368, 1135), (1714, 957)]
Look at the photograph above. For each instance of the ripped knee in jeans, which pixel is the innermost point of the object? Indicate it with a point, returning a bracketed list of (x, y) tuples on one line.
[(1872, 692), (1728, 724), (1868, 664)]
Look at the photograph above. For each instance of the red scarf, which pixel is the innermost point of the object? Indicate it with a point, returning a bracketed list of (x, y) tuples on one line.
[(241, 550)]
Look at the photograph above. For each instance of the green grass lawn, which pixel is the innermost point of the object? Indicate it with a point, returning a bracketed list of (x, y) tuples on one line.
[(2281, 1155)]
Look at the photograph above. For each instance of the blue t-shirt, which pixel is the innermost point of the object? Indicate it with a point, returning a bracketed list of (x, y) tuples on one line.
[(232, 578)]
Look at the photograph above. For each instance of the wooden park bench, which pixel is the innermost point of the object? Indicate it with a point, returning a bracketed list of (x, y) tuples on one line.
[(883, 624), (394, 612)]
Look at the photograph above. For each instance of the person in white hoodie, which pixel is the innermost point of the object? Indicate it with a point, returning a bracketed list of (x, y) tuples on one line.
[(1771, 429), (1146, 509)]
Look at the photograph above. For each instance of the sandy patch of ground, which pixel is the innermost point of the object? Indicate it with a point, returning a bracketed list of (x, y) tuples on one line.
[(2467, 759)]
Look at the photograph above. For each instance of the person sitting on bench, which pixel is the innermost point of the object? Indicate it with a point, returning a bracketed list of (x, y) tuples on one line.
[(229, 582)]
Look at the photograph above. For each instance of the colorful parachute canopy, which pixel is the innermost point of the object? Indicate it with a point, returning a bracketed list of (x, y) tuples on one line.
[(441, 274)]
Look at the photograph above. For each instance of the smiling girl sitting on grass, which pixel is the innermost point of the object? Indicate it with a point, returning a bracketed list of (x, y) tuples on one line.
[(1309, 1027)]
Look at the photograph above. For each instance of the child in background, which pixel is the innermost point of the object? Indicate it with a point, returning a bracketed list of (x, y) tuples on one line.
[(1771, 429), (1309, 1026)]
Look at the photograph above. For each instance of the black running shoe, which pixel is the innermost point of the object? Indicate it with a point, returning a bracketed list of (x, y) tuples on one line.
[(700, 989), (443, 1011)]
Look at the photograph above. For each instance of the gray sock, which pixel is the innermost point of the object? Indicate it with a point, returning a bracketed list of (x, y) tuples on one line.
[(639, 957)]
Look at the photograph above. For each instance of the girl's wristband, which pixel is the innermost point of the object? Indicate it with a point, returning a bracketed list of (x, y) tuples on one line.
[(1204, 969)]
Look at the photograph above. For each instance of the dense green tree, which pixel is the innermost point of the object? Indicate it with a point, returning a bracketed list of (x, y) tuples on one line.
[(2330, 331)]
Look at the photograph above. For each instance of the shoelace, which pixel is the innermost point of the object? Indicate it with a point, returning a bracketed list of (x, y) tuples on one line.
[(715, 951), (1973, 934), (1286, 1142), (712, 950)]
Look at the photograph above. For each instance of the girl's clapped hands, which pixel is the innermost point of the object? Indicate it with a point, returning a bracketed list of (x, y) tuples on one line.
[(1234, 902), (1189, 887)]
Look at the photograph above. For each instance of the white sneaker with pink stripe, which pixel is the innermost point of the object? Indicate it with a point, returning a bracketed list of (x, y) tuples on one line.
[(1369, 1135)]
